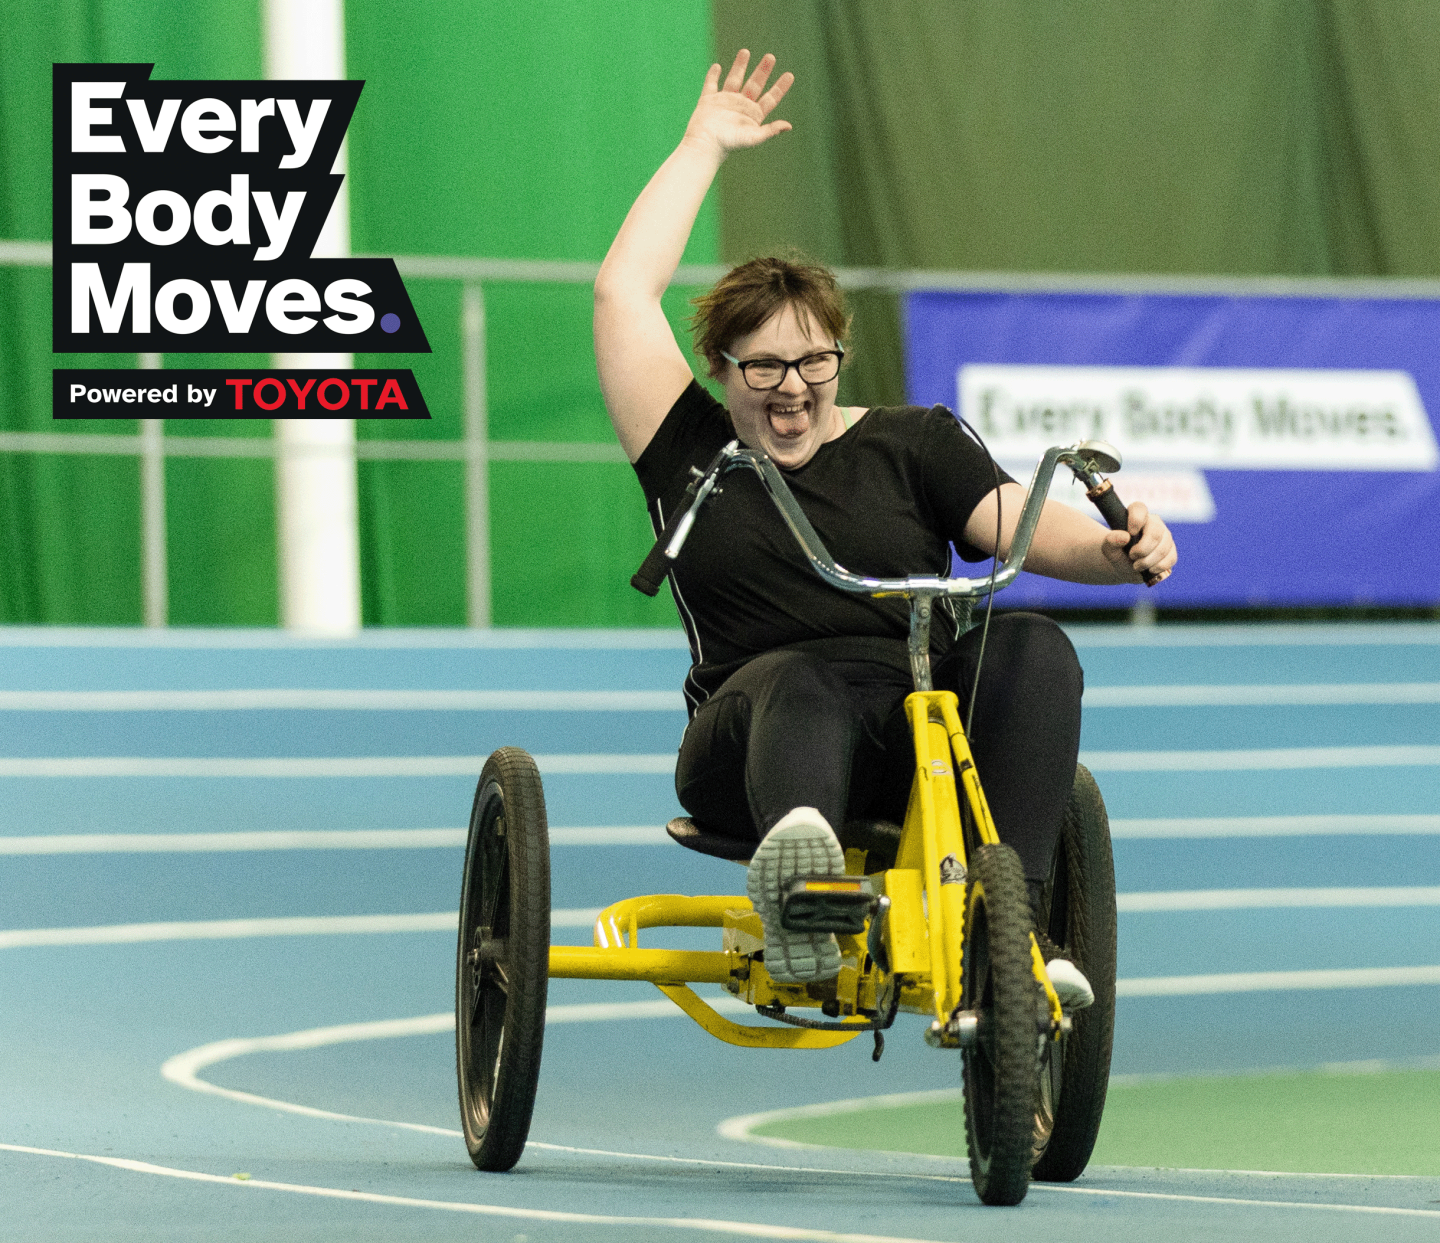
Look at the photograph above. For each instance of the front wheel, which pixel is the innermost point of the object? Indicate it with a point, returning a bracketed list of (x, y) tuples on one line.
[(998, 986), (503, 961), (1077, 909)]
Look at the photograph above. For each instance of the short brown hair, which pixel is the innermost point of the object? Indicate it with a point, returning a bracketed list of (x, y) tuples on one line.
[(745, 297)]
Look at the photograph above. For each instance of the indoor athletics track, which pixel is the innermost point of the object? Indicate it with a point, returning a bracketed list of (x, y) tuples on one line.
[(232, 859)]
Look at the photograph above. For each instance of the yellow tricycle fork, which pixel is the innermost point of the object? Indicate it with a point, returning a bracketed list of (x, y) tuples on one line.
[(932, 823), (942, 753)]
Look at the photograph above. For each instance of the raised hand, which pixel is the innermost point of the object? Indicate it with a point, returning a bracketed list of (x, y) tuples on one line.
[(732, 116)]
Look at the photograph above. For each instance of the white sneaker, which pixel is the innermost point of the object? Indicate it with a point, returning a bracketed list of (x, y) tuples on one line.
[(801, 844), (1070, 984)]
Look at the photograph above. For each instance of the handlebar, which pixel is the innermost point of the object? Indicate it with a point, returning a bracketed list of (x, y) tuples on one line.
[(1117, 518), (667, 548), (1085, 460)]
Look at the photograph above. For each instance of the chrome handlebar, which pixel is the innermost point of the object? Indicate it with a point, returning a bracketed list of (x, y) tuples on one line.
[(1085, 460)]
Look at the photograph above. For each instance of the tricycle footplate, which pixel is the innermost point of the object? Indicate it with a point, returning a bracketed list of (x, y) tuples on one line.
[(827, 904)]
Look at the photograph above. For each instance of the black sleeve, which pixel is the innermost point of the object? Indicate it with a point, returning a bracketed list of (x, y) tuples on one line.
[(957, 474), (694, 429)]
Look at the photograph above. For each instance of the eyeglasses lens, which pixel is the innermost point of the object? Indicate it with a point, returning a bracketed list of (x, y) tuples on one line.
[(814, 369)]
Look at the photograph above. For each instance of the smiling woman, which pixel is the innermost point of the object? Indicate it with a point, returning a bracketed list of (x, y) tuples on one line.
[(779, 327), (796, 690)]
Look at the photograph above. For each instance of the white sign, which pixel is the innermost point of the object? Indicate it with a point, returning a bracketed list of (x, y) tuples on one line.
[(1224, 417)]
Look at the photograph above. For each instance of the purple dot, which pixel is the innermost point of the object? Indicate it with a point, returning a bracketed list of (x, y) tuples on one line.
[(390, 323)]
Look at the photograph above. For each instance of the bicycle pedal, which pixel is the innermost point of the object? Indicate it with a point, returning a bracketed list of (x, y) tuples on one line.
[(826, 904)]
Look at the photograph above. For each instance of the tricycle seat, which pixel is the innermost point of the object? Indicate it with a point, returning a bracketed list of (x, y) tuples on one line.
[(879, 838)]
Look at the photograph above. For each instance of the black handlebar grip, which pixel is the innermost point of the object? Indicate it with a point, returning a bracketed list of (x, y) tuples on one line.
[(1117, 518), (652, 571)]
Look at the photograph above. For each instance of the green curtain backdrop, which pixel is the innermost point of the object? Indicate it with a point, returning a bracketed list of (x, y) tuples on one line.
[(1214, 136), (514, 131), (485, 129), (70, 524)]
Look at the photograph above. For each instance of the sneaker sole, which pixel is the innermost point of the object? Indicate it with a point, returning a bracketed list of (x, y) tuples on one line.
[(787, 851)]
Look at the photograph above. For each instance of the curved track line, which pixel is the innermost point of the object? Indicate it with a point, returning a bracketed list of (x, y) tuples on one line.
[(181, 1070), (1373, 1209), (741, 1129), (753, 1230)]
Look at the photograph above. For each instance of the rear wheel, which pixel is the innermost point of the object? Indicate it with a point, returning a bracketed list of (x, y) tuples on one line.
[(1078, 912), (502, 967), (996, 983)]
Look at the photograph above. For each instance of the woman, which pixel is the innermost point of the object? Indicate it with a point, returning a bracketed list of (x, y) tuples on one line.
[(796, 689)]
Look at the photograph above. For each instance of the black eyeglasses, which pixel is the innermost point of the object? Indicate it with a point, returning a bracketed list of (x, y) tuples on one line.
[(763, 374)]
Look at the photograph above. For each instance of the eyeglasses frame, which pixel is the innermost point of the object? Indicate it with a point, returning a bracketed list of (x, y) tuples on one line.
[(838, 350)]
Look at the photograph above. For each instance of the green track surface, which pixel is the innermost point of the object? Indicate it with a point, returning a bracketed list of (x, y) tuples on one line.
[(1303, 1122)]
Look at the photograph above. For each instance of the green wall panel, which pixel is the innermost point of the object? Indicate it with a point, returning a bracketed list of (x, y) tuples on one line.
[(221, 550), (1228, 136), (412, 543), (509, 131), (71, 573), (70, 540), (571, 532)]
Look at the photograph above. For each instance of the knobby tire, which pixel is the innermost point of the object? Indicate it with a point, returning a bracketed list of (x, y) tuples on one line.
[(503, 958), (998, 984), (1078, 912)]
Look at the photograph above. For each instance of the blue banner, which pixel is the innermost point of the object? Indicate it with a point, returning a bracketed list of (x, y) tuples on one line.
[(1290, 442)]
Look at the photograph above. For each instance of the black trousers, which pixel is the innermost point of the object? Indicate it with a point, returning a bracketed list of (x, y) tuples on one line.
[(791, 729)]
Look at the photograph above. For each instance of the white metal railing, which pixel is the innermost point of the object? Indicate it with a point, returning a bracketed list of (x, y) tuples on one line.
[(476, 450)]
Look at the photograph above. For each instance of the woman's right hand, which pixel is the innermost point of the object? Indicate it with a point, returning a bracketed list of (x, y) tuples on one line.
[(732, 116)]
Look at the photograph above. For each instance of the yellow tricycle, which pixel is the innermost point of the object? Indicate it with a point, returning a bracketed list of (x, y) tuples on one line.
[(932, 916)]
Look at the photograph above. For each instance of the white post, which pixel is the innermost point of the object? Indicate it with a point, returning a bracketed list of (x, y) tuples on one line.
[(155, 572), (477, 459), (315, 486)]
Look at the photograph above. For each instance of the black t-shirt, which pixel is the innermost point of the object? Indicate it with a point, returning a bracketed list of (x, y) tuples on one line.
[(888, 498)]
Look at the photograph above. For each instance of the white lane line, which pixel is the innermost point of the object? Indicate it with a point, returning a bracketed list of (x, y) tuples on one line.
[(185, 843), (307, 839), (655, 835), (745, 1229), (1374, 1209), (358, 700), (281, 699), (1275, 826), (283, 926), (446, 921), (742, 1127), (1260, 759), (183, 1068), (319, 766), (227, 929), (1301, 634), (376, 637), (1253, 695), (1275, 981), (612, 835), (1265, 899), (742, 1130), (470, 765)]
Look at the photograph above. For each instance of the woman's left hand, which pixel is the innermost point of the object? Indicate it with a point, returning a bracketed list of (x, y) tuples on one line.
[(1154, 548)]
